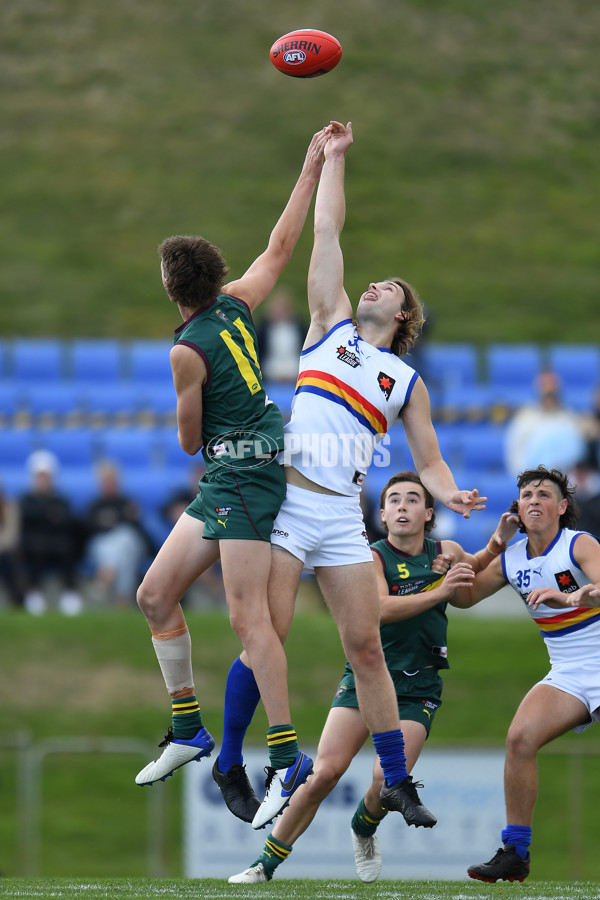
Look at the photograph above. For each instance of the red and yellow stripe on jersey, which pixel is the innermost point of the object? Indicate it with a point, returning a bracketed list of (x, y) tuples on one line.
[(567, 622), (325, 385)]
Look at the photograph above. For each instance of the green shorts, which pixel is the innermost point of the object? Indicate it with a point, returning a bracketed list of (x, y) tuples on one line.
[(419, 696), (239, 504)]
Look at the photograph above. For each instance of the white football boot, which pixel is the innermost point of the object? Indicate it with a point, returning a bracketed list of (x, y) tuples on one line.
[(177, 753)]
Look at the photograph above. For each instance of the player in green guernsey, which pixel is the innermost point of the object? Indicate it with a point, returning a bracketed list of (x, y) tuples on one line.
[(222, 409), (417, 577)]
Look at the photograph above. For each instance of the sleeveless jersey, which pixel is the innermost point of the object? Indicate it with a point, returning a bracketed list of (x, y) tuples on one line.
[(569, 633), (238, 420), (413, 644), (347, 395)]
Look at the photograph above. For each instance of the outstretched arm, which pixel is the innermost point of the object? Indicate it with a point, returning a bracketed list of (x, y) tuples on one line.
[(261, 277), (432, 468), (328, 302)]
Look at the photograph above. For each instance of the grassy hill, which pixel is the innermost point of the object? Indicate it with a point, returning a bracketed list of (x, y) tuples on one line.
[(474, 172)]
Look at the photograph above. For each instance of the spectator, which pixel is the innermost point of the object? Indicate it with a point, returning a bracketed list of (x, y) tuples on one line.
[(591, 430), (9, 544), (117, 543), (544, 433), (280, 337), (48, 543)]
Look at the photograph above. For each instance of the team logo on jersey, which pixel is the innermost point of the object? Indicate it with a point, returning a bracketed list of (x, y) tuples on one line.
[(221, 315), (566, 582), (358, 477), (386, 384), (348, 356)]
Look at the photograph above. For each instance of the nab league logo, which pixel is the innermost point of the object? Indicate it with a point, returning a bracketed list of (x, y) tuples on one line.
[(348, 356), (386, 384), (566, 582)]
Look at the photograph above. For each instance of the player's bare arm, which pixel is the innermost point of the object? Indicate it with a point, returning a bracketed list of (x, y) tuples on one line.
[(261, 277), (431, 466), (586, 552), (189, 375), (397, 608), (485, 583), (328, 301)]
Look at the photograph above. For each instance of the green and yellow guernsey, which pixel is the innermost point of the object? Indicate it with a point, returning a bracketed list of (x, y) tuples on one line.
[(239, 424), (418, 642)]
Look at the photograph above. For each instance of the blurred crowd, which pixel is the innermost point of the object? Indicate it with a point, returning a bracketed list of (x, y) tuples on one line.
[(49, 555), (52, 555)]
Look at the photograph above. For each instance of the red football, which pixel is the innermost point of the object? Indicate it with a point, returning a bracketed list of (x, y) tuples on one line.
[(306, 53)]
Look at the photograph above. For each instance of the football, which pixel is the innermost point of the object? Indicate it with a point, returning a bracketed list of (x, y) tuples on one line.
[(306, 53)]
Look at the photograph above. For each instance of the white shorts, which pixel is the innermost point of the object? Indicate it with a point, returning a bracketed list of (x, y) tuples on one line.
[(321, 529), (581, 679)]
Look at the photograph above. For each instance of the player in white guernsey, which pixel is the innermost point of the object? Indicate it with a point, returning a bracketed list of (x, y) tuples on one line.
[(556, 571), (351, 387)]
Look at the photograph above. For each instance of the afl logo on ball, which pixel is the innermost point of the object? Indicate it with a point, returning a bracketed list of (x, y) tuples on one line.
[(294, 57)]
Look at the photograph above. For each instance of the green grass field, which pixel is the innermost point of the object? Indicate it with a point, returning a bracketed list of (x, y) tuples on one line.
[(211, 889), (96, 677)]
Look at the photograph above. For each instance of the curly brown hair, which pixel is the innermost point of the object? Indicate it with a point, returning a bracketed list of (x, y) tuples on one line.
[(570, 517), (194, 270), (414, 479), (409, 329)]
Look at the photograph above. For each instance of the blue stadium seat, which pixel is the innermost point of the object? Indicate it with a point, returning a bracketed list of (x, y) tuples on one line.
[(168, 451), (482, 448), (465, 399), (12, 399), (472, 534), (112, 399), (16, 446), (513, 365), (37, 360), (128, 447), (59, 398), (394, 452), (576, 365), (499, 488), (14, 480), (450, 437), (159, 398), (96, 360), (149, 361), (449, 365), (150, 487), (74, 448)]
